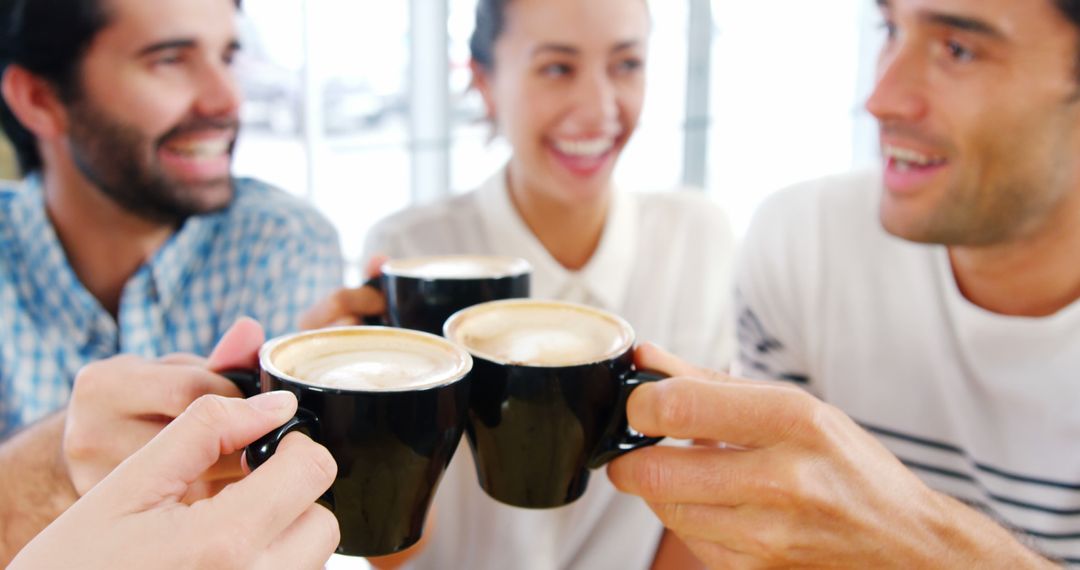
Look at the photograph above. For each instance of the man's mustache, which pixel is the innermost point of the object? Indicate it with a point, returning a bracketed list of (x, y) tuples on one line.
[(231, 125)]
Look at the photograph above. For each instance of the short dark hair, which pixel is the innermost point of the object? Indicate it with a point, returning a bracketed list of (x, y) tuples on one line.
[(1071, 10), (47, 38), (490, 20)]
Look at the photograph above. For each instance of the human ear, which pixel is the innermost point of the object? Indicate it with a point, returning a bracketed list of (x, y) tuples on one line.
[(34, 102), (481, 81)]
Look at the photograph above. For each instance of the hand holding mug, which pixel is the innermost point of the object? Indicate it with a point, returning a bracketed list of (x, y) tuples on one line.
[(799, 483), (349, 306), (119, 404), (135, 517), (422, 292)]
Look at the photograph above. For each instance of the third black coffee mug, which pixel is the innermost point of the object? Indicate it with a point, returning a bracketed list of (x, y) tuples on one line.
[(422, 292), (550, 382)]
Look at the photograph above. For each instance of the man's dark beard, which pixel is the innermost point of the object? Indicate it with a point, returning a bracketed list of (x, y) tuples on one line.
[(123, 164)]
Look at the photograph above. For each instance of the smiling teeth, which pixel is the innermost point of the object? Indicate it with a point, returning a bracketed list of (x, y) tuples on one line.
[(586, 148), (203, 149), (906, 158)]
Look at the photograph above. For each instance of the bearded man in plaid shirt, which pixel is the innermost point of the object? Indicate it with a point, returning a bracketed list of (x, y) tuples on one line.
[(128, 248)]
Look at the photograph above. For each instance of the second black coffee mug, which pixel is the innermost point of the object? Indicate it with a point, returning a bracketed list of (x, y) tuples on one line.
[(550, 382), (422, 292), (389, 405)]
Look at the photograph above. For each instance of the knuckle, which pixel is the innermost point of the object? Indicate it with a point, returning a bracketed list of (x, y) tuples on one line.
[(323, 466), (675, 412), (181, 392), (210, 410), (753, 543), (89, 378), (673, 515), (779, 539), (319, 467), (228, 551), (825, 425), (79, 445), (819, 418), (805, 415), (340, 301), (651, 475)]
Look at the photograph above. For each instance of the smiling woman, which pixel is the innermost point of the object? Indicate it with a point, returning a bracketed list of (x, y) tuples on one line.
[(563, 83)]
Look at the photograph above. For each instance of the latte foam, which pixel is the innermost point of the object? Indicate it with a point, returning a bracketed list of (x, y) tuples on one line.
[(373, 360), (457, 267), (539, 333)]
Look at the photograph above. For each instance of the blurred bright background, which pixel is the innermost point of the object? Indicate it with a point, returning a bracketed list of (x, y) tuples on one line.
[(363, 107)]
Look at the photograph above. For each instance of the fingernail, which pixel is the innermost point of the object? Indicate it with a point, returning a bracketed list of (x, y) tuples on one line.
[(272, 401)]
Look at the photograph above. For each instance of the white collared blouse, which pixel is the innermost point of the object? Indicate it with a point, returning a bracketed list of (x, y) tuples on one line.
[(664, 264)]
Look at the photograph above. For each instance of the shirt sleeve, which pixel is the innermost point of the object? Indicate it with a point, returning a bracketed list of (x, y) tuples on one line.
[(774, 287)]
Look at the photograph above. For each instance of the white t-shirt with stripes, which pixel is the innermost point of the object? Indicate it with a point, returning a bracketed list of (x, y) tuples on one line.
[(981, 406)]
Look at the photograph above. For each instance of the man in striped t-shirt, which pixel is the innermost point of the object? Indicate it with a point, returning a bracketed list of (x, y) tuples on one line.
[(935, 307)]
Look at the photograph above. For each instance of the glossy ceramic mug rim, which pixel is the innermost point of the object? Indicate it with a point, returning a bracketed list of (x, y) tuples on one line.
[(464, 364), (514, 267), (459, 317)]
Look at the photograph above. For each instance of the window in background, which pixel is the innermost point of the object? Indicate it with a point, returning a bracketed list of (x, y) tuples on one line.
[(270, 70), (653, 160), (335, 126), (475, 153), (784, 96), (786, 80), (359, 52)]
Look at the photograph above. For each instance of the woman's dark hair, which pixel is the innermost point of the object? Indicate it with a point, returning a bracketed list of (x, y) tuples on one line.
[(490, 20), (48, 39)]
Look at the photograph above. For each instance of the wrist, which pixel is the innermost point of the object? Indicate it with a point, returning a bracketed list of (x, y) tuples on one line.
[(970, 539), (35, 487)]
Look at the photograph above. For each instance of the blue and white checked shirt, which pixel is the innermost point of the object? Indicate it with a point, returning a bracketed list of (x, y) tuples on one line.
[(267, 256)]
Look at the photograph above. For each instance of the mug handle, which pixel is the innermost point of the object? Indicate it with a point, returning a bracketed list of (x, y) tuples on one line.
[(376, 320), (246, 380), (260, 450), (623, 438)]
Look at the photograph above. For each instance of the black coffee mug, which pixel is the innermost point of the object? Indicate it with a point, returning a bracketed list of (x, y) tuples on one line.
[(422, 292), (550, 382), (389, 405)]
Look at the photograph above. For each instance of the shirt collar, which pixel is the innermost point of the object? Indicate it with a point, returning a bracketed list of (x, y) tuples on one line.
[(64, 294), (171, 266), (58, 293), (607, 274)]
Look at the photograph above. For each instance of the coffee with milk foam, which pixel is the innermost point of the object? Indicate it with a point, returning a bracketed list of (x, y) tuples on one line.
[(539, 334), (457, 267), (368, 361)]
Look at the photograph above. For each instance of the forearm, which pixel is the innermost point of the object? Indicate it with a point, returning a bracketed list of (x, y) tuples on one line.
[(973, 540), (34, 485)]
